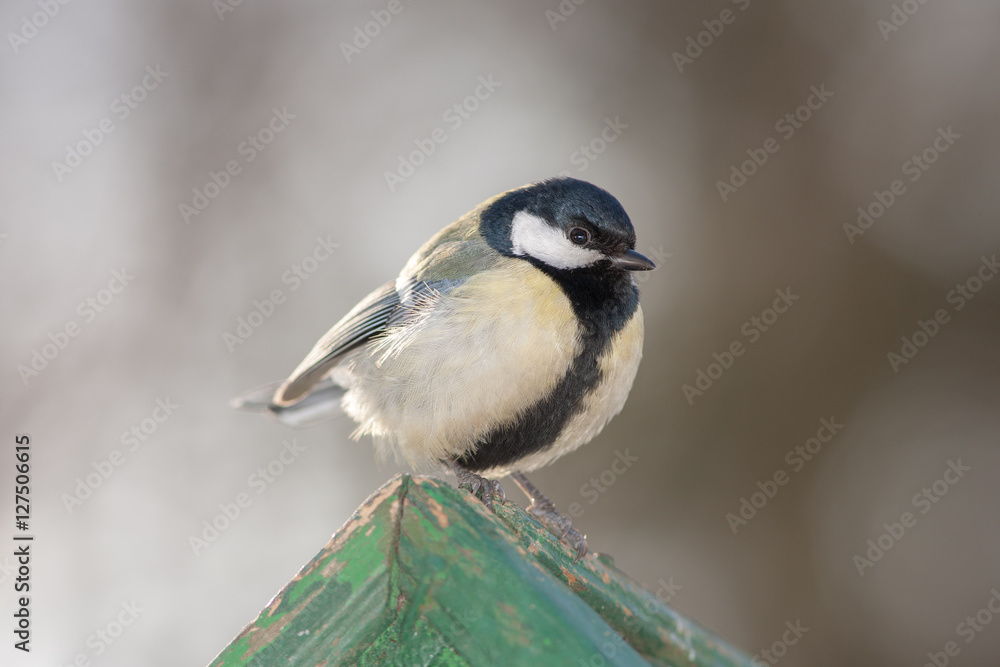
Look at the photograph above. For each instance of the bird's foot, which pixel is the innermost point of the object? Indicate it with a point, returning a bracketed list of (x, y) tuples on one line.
[(480, 487), (560, 526), (545, 511)]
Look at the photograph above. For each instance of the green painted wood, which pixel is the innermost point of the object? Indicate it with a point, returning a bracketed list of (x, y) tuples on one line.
[(423, 574)]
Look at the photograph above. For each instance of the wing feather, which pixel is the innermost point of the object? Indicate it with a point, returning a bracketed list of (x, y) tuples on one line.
[(448, 259), (365, 321)]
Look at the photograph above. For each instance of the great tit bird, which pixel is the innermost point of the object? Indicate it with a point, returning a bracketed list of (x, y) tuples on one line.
[(509, 339)]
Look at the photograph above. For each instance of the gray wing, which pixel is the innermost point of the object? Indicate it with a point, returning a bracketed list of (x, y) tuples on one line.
[(319, 405), (365, 321), (448, 259)]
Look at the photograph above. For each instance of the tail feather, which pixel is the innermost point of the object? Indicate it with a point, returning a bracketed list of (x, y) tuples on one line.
[(320, 405)]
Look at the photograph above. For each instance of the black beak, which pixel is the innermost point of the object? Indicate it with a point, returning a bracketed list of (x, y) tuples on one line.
[(631, 260)]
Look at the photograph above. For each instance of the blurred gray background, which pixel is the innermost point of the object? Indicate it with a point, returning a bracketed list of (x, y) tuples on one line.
[(893, 78)]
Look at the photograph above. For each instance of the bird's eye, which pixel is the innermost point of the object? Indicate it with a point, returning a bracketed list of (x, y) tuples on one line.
[(579, 236)]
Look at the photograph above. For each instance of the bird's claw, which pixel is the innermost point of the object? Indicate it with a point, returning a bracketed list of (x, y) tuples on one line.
[(577, 541), (482, 488), (560, 526)]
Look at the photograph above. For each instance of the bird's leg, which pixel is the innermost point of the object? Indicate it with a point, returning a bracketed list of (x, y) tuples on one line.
[(543, 509), (482, 488)]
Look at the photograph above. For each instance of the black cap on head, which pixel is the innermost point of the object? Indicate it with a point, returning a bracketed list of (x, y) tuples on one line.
[(564, 203)]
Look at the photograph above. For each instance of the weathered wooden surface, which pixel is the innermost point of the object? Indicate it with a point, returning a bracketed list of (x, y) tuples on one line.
[(423, 574)]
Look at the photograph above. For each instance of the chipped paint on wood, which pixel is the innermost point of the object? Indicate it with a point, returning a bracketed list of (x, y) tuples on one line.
[(260, 637), (423, 574), (335, 566), (438, 512)]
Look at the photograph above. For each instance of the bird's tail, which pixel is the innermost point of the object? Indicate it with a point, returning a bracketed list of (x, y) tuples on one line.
[(320, 405)]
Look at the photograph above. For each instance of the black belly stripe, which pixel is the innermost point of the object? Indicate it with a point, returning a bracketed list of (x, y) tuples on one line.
[(604, 300)]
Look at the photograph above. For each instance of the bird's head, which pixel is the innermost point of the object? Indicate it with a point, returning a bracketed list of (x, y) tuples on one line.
[(565, 224)]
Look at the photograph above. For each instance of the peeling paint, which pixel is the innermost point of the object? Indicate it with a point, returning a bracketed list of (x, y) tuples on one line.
[(438, 512), (332, 568), (259, 637), (450, 579)]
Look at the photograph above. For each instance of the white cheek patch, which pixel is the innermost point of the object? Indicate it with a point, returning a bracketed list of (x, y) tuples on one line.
[(532, 236)]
